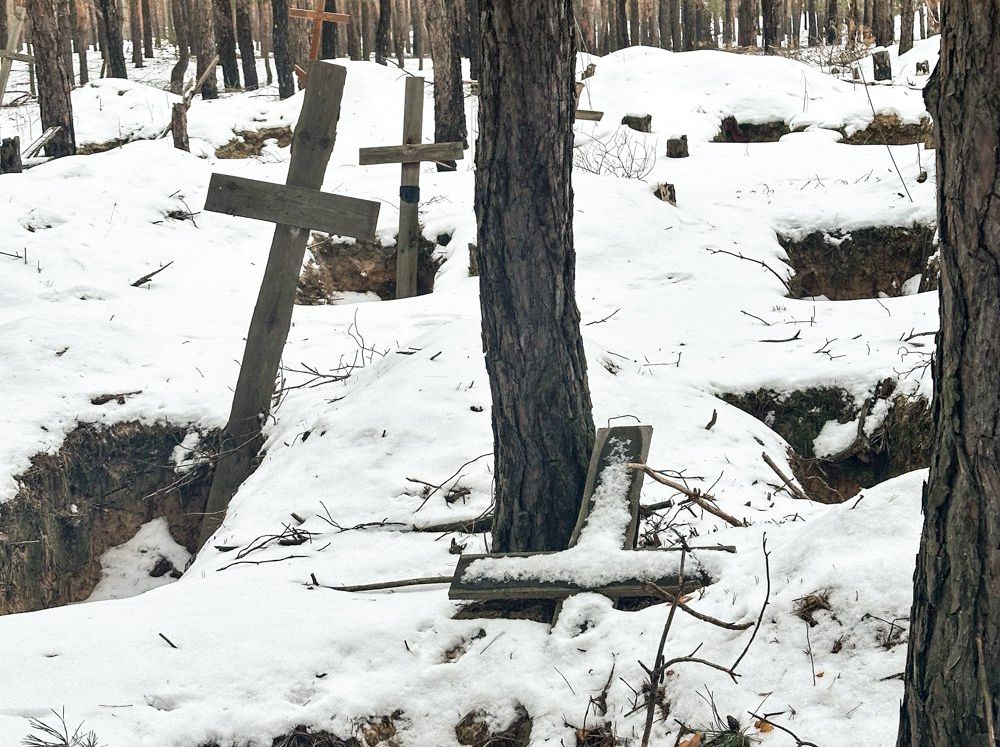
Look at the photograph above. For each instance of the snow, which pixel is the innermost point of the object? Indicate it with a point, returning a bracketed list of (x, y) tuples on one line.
[(126, 570), (259, 649)]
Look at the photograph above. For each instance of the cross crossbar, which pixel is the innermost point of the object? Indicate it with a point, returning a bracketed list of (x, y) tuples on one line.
[(411, 153), (608, 480), (318, 15), (16, 56), (585, 114)]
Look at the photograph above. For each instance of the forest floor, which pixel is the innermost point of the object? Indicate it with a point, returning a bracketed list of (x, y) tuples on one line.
[(691, 314)]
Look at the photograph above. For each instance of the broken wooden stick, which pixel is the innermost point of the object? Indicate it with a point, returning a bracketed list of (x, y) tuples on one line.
[(385, 584), (699, 499), (150, 275), (795, 490)]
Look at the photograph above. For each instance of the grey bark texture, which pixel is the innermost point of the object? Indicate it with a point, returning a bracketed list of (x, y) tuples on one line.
[(55, 75)]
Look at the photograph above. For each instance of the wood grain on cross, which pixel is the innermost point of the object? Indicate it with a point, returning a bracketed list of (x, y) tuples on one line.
[(410, 154), (318, 16), (629, 443), (586, 114), (10, 53), (295, 208)]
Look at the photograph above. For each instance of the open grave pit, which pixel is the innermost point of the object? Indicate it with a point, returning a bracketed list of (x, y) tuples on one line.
[(337, 266), (92, 494), (861, 263), (250, 143), (887, 435)]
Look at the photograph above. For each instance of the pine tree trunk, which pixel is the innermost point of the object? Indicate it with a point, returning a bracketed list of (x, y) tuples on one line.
[(244, 36), (620, 11), (284, 69), (952, 679), (449, 98), (354, 30), (417, 16), (115, 47), (727, 23), (542, 424), (148, 20), (226, 40), (472, 14), (400, 24), (650, 30), (832, 22), (367, 29), (667, 9), (83, 31), (689, 20), (135, 31), (382, 32), (55, 76), (883, 25), (182, 31), (906, 26), (771, 27), (634, 38), (328, 35), (746, 26), (203, 44), (265, 24)]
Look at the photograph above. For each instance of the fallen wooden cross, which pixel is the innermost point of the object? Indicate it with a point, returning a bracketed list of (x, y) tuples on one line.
[(610, 510), (586, 114), (36, 147), (10, 54), (295, 207), (410, 154), (318, 16)]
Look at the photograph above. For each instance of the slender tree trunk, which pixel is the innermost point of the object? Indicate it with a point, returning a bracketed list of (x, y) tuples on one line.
[(832, 22), (667, 9), (746, 26), (933, 16), (449, 99), (634, 37), (417, 15), (115, 53), (328, 35), (265, 24), (226, 40), (689, 21), (354, 30), (284, 68), (244, 36), (542, 424), (203, 44), (771, 27), (472, 14), (83, 32), (952, 679), (621, 23), (882, 22), (55, 76), (382, 32), (906, 26), (367, 29), (182, 30), (135, 31), (727, 23), (148, 20), (400, 24)]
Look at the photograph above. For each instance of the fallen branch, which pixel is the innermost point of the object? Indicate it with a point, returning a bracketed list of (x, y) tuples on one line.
[(789, 732), (149, 276), (694, 613), (793, 338), (385, 584), (795, 489), (469, 526), (699, 499), (765, 265)]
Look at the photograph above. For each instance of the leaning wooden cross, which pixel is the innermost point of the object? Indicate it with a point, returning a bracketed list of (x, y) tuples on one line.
[(8, 55), (586, 114), (296, 208), (410, 154), (318, 16), (608, 522)]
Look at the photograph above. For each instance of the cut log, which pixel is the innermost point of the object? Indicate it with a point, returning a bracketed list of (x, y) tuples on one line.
[(677, 147), (10, 155), (638, 122)]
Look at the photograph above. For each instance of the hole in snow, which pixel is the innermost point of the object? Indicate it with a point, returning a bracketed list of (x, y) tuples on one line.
[(839, 447), (98, 496), (863, 263), (339, 267)]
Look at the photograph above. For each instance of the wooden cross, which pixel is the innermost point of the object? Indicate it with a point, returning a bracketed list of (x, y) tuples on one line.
[(8, 55), (615, 449), (410, 154), (586, 114), (318, 16), (295, 207)]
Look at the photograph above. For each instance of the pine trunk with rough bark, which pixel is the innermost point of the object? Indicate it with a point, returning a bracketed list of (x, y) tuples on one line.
[(182, 32), (353, 29), (542, 423), (449, 98), (771, 25), (203, 44), (727, 23), (746, 28), (82, 11), (417, 16), (832, 22), (244, 37), (148, 19), (55, 75), (111, 18), (226, 43), (135, 31), (284, 68), (883, 25), (952, 679), (906, 14), (382, 32), (634, 37)]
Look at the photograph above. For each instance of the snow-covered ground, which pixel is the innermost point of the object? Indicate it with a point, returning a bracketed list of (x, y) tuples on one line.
[(670, 322)]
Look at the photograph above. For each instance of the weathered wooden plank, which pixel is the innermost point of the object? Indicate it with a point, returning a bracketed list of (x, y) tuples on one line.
[(16, 56), (36, 147), (463, 589), (13, 39), (313, 15), (292, 206), (411, 153), (409, 191), (590, 116)]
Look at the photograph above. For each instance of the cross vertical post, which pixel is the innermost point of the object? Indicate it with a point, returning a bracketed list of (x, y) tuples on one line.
[(318, 16), (410, 154), (8, 55)]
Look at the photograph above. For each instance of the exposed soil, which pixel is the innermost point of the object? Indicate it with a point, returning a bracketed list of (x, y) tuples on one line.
[(888, 129), (249, 143), (337, 266), (862, 263), (91, 495), (474, 730), (91, 148), (900, 444), (732, 131)]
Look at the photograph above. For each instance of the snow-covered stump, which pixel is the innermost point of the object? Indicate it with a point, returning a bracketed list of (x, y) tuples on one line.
[(677, 147), (178, 126), (10, 155), (639, 122), (883, 65)]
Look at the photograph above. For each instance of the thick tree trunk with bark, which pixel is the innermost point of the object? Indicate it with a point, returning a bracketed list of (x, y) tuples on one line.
[(111, 18), (727, 23), (284, 68), (135, 31), (417, 14), (382, 32), (244, 37), (952, 680), (354, 29), (203, 44), (746, 28), (906, 26), (449, 98), (771, 26), (542, 423), (634, 38), (182, 31), (55, 75), (832, 22), (226, 40), (148, 21), (883, 25)]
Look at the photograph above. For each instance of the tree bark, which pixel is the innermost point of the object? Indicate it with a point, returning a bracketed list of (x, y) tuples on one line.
[(449, 99), (746, 28), (135, 31), (354, 30), (883, 24), (771, 25), (226, 40), (417, 15), (148, 18), (906, 26), (283, 66), (55, 76), (634, 38), (382, 32), (182, 30), (542, 423), (727, 23), (832, 22), (115, 53), (472, 14), (83, 31), (400, 37), (244, 36), (952, 679), (203, 44)]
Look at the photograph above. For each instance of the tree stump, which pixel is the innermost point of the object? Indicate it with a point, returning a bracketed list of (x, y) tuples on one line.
[(10, 155), (667, 193), (179, 126), (677, 147), (883, 67), (639, 122)]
